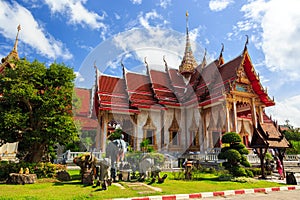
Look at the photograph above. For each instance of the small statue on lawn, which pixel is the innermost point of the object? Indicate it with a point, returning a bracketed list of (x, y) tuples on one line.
[(155, 174), (87, 164), (188, 169)]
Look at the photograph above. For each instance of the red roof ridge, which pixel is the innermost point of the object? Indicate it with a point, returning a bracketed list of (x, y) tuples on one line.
[(110, 75), (133, 72)]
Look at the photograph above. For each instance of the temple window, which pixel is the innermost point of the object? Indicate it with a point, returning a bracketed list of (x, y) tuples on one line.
[(149, 132), (244, 135), (174, 132), (216, 139), (150, 136), (174, 138), (193, 138), (194, 134)]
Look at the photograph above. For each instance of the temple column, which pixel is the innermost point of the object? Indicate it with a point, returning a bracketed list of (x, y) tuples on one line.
[(235, 124), (98, 136), (185, 129), (254, 117), (162, 130), (261, 116), (204, 130), (136, 135), (227, 117)]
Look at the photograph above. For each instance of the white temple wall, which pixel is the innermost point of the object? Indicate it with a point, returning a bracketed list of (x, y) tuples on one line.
[(156, 119), (141, 120), (168, 117)]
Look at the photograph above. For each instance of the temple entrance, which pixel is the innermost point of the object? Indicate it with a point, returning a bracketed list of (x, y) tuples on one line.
[(128, 132), (126, 127)]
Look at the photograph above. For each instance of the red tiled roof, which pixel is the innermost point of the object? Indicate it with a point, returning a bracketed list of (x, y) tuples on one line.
[(162, 87), (84, 114), (85, 101), (159, 88), (178, 83), (140, 91), (255, 82), (112, 94), (86, 123)]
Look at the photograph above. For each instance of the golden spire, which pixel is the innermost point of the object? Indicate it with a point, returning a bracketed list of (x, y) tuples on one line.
[(17, 38), (188, 63), (13, 55)]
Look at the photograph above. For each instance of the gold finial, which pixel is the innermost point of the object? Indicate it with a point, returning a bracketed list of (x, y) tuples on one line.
[(166, 64), (16, 42), (145, 61), (187, 14), (246, 43), (247, 40), (222, 50)]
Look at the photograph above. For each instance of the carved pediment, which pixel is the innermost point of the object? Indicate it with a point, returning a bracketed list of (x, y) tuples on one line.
[(242, 77)]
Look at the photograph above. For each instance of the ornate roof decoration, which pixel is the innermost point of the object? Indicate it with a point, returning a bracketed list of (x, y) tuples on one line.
[(149, 124), (221, 59), (204, 63), (13, 55), (174, 126), (166, 64), (188, 63), (246, 43)]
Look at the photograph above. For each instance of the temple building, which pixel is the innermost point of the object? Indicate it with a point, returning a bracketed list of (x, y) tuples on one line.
[(177, 110), (188, 108)]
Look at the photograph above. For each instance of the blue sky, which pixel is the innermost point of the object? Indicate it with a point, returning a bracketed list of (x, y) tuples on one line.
[(77, 32)]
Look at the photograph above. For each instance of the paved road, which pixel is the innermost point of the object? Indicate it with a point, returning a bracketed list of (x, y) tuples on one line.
[(278, 195)]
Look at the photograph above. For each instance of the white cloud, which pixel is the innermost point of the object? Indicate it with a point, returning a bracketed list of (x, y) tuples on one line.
[(78, 14), (79, 77), (285, 109), (32, 33), (164, 3), (136, 1), (144, 20), (279, 23), (117, 16), (154, 43), (219, 5)]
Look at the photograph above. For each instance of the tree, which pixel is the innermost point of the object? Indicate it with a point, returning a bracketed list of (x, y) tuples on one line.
[(234, 151), (36, 107)]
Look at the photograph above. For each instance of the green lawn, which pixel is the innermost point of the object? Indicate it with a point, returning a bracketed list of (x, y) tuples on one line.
[(53, 189)]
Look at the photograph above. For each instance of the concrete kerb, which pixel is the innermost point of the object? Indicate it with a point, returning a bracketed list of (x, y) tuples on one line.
[(213, 194)]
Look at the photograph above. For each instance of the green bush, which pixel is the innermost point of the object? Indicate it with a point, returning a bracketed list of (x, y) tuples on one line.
[(42, 170), (234, 152), (255, 171), (232, 156), (244, 161), (238, 171), (249, 173), (231, 138)]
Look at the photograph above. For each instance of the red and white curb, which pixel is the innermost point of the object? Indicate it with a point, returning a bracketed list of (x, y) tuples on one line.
[(213, 194)]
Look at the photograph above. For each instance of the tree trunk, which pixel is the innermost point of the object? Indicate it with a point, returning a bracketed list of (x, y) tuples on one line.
[(36, 154)]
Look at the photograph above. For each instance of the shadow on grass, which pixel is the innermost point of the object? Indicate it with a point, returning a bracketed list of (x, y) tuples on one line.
[(67, 183)]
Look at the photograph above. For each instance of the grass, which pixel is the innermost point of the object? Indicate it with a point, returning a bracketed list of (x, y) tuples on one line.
[(53, 189)]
